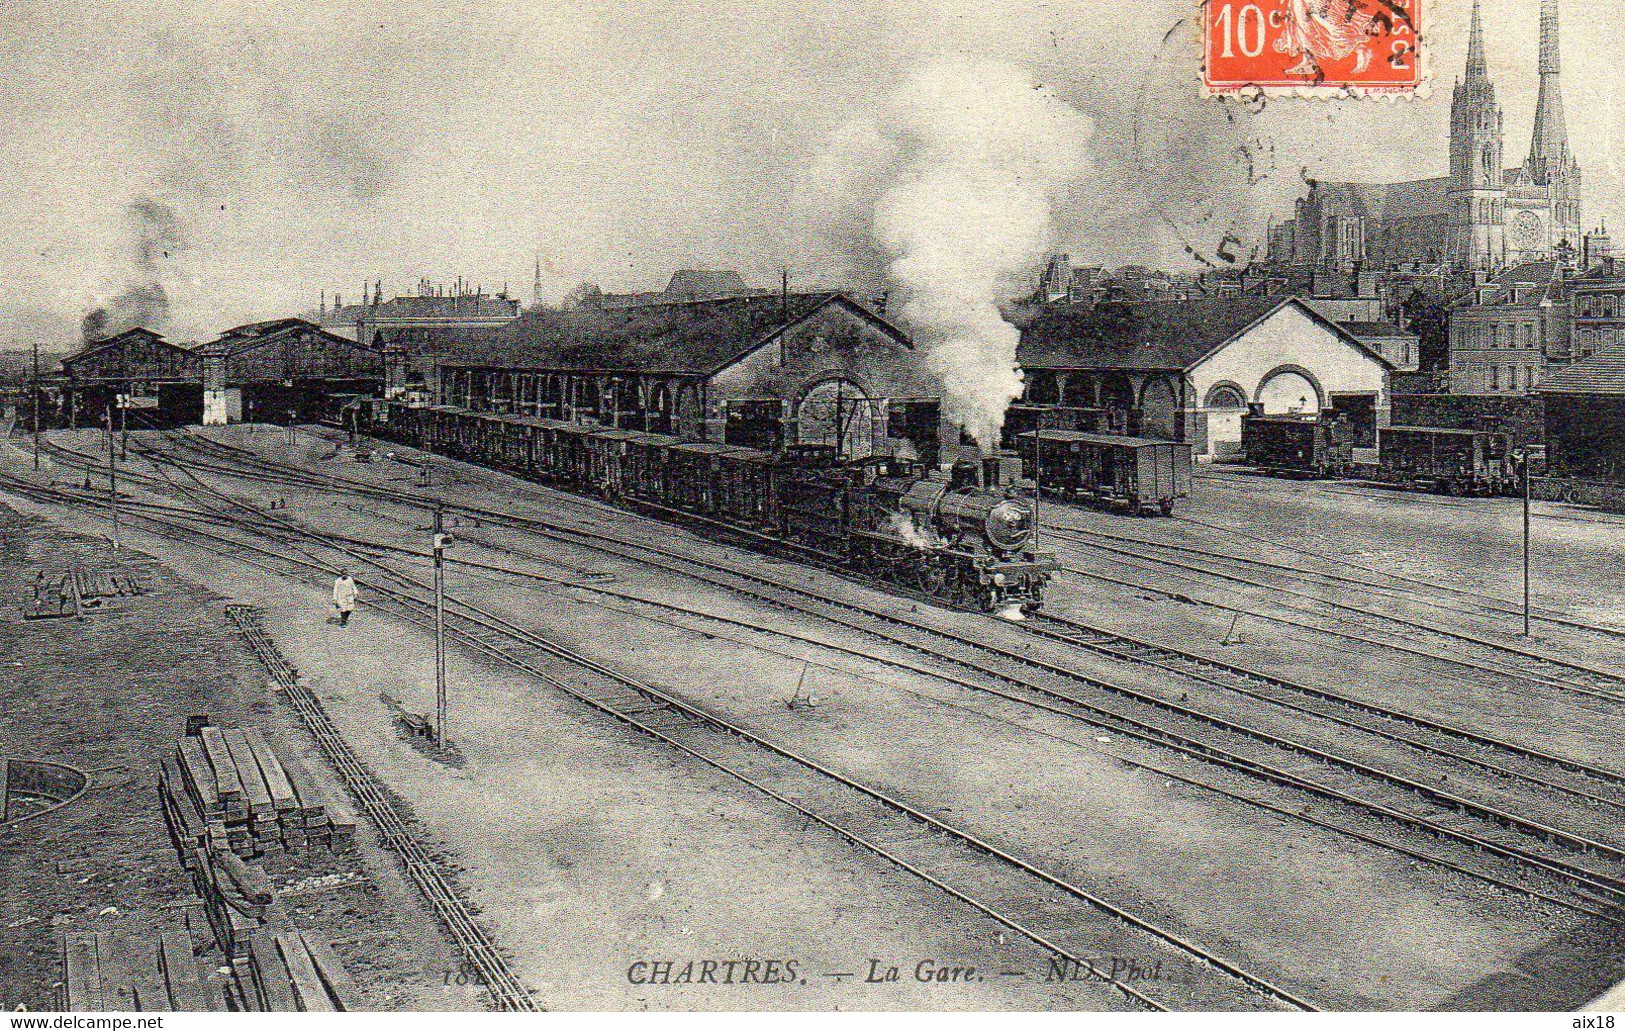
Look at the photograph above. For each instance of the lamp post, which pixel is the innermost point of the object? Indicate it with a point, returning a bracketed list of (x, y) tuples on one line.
[(112, 471), (1038, 475)]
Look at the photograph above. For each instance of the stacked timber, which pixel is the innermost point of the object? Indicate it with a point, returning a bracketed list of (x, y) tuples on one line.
[(237, 899), (226, 790), (144, 973), (282, 971), (290, 971)]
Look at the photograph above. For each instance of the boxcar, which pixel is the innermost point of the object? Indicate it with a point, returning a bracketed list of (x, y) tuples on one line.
[(1299, 445), (1131, 474), (1449, 461)]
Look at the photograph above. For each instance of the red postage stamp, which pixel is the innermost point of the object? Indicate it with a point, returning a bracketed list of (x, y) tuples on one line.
[(1312, 46)]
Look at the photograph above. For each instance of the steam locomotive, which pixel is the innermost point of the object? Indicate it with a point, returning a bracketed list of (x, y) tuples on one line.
[(958, 536)]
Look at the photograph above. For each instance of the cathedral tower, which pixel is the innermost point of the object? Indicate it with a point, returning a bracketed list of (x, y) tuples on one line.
[(1550, 164), (1477, 233)]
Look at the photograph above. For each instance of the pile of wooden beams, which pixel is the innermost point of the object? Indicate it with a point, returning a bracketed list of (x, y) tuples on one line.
[(286, 971), (227, 790), (294, 972), (158, 974), (237, 899)]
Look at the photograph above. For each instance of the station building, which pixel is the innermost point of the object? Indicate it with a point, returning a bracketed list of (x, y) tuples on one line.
[(759, 371), (1187, 370), (1585, 431), (259, 372)]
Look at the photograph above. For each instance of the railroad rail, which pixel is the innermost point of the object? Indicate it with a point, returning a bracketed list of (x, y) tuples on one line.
[(1129, 726), (500, 981), (1593, 679), (1491, 603), (1279, 691)]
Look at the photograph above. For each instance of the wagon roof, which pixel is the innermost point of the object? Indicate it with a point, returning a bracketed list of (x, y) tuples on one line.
[(1429, 429)]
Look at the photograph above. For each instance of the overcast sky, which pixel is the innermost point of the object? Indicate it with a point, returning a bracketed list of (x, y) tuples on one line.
[(311, 150)]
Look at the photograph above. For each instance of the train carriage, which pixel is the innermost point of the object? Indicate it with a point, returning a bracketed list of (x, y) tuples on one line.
[(1449, 461), (1317, 446), (1129, 474)]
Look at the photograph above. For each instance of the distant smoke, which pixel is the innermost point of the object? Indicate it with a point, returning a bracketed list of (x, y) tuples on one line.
[(156, 236), (953, 187)]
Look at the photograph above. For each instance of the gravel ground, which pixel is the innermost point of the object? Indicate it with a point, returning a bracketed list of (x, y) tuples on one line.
[(1379, 933), (110, 692), (589, 849)]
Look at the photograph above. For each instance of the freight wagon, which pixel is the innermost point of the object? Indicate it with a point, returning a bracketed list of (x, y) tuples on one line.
[(1127, 474), (1449, 461), (1311, 446), (943, 534)]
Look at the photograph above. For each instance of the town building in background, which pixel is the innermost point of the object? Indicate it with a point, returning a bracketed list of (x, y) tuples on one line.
[(1481, 215), (432, 306)]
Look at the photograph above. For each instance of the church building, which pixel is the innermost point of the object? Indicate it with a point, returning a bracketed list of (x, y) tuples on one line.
[(1482, 215)]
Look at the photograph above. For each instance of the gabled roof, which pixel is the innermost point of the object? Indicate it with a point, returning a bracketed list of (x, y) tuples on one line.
[(118, 341), (696, 337), (701, 283), (1602, 373), (259, 334), (1546, 278), (1166, 336)]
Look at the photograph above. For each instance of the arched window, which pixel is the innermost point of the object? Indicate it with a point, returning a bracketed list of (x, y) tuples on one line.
[(1225, 396)]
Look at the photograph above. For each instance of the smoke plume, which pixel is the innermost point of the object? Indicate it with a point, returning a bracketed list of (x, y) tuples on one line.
[(954, 187), (156, 236)]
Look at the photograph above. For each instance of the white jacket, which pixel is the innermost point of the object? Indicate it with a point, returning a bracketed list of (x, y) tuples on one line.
[(344, 593)]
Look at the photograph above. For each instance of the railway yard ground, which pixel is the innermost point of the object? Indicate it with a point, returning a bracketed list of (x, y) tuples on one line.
[(1285, 749)]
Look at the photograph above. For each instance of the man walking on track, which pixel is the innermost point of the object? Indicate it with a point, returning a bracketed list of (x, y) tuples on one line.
[(344, 596)]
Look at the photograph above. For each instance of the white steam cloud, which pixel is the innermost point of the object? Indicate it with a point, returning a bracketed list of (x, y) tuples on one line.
[(953, 189)]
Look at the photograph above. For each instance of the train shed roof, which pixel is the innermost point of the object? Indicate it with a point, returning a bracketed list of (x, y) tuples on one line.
[(693, 337), (1162, 336)]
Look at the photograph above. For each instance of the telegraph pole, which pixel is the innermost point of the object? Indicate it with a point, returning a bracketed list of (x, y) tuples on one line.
[(36, 403), (1526, 543), (112, 470), (442, 540), (1038, 476)]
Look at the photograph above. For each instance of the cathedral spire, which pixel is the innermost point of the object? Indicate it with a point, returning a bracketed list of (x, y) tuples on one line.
[(1549, 149), (1477, 66)]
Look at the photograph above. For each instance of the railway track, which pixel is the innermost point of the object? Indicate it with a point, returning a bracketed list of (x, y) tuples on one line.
[(1436, 737), (500, 981), (1039, 905), (1441, 822), (1398, 583), (1546, 670), (1398, 496)]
